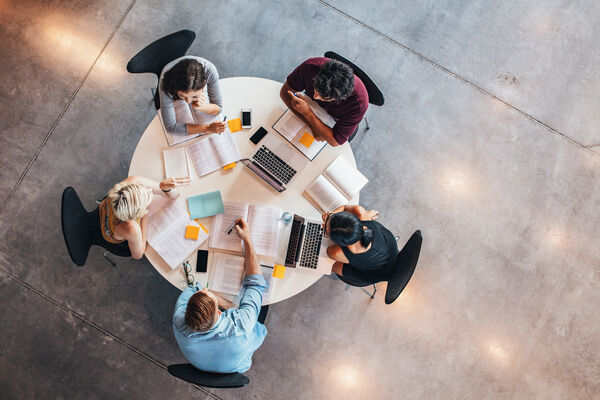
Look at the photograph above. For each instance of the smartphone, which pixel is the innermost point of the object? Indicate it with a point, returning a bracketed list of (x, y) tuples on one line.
[(246, 118), (258, 135), (202, 261)]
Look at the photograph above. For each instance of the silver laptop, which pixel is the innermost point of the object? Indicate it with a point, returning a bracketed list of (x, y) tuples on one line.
[(275, 162), (305, 247)]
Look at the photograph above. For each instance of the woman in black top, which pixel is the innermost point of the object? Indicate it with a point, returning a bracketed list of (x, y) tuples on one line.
[(365, 251)]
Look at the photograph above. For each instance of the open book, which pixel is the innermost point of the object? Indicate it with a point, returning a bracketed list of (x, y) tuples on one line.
[(185, 114), (298, 133), (340, 182), (167, 221), (227, 275), (213, 152), (264, 225)]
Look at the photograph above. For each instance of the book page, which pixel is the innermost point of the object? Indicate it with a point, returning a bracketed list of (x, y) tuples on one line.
[(202, 156), (264, 225), (176, 165), (225, 149), (167, 222), (289, 125), (325, 194), (320, 112), (172, 140), (183, 112), (345, 177), (221, 223), (228, 273)]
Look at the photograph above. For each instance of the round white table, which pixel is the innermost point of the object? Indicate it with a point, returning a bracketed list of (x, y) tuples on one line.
[(239, 183)]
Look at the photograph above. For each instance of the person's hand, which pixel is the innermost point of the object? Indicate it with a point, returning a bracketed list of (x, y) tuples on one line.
[(169, 185), (299, 104), (325, 215), (372, 215), (215, 127), (200, 102), (242, 229)]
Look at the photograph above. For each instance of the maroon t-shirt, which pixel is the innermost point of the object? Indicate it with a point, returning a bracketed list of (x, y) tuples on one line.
[(346, 113)]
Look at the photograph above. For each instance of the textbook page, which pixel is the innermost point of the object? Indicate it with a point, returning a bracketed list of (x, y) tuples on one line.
[(176, 165), (183, 113), (345, 177), (228, 273), (324, 194), (264, 225), (219, 239), (167, 221), (213, 152), (289, 125)]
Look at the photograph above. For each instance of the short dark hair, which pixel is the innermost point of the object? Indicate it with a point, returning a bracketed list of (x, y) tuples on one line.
[(186, 75), (335, 80), (201, 312), (345, 229)]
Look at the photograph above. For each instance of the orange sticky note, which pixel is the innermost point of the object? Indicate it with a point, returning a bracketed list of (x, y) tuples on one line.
[(307, 139), (229, 166), (278, 271), (235, 125), (192, 232)]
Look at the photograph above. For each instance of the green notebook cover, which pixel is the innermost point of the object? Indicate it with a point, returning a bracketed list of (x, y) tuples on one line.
[(205, 205)]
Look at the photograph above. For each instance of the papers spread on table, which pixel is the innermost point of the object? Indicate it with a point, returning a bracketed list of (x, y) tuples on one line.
[(205, 205), (176, 165), (167, 222), (227, 275), (213, 152), (340, 182), (298, 133), (264, 222)]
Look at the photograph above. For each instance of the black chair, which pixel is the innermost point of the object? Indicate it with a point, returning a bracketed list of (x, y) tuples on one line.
[(375, 95), (402, 271), (159, 53), (189, 373), (81, 230)]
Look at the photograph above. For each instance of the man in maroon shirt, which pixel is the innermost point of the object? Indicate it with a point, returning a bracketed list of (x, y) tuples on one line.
[(333, 85)]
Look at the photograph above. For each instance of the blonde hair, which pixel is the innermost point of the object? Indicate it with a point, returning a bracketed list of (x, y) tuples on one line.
[(128, 201)]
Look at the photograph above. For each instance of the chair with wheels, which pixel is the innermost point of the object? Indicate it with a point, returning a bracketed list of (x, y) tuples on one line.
[(189, 373), (398, 277), (375, 95), (81, 230), (154, 57)]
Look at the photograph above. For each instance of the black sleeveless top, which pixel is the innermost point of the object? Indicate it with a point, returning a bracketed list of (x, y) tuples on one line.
[(382, 253)]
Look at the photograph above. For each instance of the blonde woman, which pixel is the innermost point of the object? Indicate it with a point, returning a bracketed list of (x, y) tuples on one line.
[(123, 211)]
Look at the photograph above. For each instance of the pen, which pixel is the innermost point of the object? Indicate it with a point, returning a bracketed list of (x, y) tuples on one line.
[(224, 118), (231, 228)]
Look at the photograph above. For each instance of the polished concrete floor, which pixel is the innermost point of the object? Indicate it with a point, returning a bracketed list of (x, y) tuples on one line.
[(489, 142)]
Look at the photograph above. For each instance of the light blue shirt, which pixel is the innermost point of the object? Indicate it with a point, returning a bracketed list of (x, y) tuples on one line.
[(227, 346)]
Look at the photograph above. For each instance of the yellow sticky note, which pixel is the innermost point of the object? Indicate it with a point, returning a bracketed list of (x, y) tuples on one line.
[(229, 166), (235, 125), (278, 271), (192, 232), (307, 139)]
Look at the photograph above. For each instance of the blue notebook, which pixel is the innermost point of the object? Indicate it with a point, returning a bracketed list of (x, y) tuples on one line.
[(205, 205)]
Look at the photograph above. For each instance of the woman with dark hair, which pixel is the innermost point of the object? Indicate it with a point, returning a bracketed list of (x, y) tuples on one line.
[(189, 78), (365, 250)]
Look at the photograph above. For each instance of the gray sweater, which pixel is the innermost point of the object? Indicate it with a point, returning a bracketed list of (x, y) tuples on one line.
[(166, 100)]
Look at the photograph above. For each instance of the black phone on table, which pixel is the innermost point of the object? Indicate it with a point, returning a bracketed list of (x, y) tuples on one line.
[(258, 135), (202, 261)]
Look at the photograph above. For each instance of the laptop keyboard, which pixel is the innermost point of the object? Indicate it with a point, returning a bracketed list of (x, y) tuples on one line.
[(275, 165), (290, 257), (312, 245)]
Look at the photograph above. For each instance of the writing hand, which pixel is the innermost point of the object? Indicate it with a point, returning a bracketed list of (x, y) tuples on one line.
[(298, 103)]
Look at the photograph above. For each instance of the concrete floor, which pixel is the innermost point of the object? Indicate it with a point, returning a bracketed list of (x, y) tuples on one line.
[(488, 142)]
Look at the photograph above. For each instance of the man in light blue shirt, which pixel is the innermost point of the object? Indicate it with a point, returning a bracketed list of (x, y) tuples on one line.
[(217, 341)]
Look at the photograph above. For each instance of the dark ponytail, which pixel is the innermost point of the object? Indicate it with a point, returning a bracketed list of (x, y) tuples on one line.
[(186, 75), (367, 236), (345, 229)]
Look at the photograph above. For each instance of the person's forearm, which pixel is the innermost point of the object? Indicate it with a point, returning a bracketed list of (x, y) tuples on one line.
[(320, 129), (145, 182), (144, 227), (285, 97), (252, 266), (355, 209), (194, 129)]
